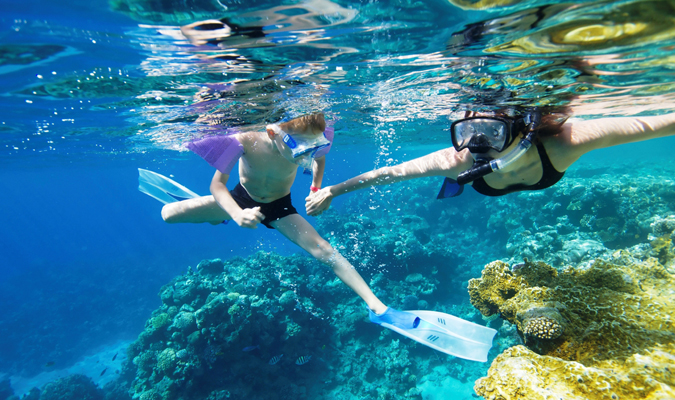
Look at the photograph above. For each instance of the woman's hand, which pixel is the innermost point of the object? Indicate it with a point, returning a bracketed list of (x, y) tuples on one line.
[(318, 202), (249, 218)]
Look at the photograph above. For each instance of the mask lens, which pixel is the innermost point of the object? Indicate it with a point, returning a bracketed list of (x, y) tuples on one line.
[(493, 132), (306, 146)]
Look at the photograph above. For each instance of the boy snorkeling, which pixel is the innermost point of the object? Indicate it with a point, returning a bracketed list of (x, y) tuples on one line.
[(268, 164)]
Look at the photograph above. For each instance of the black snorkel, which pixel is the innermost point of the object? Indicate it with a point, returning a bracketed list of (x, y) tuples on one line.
[(484, 167)]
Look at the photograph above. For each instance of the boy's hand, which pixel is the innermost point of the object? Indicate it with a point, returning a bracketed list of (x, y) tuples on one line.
[(249, 218), (318, 202)]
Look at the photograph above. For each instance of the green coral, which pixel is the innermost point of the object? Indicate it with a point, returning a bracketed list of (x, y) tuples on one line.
[(159, 321), (166, 361)]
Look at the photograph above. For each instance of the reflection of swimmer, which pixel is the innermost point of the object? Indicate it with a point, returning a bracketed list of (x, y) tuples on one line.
[(507, 151), (286, 24), (214, 31)]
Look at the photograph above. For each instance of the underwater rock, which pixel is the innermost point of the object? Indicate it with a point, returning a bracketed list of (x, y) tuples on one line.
[(595, 332), (6, 389), (210, 267), (72, 387)]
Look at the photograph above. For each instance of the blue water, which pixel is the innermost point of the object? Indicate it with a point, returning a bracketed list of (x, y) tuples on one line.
[(84, 254)]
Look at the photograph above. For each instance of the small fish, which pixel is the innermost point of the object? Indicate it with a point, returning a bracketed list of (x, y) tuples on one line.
[(103, 372), (50, 364), (115, 356), (250, 348), (302, 360), (275, 359)]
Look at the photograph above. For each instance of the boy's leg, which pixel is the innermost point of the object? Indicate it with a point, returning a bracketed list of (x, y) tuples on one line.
[(197, 210), (300, 232)]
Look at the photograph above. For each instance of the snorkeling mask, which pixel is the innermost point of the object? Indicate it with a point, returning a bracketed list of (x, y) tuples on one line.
[(301, 146), (480, 134)]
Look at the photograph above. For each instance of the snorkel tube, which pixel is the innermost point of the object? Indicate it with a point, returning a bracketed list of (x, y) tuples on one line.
[(482, 168)]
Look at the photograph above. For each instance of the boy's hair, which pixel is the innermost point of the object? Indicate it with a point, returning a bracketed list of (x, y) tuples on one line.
[(315, 122)]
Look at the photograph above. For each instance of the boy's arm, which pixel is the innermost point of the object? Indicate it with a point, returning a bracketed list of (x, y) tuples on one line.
[(246, 218), (318, 167)]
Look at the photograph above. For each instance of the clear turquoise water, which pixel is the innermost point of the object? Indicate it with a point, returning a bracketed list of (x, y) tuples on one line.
[(92, 90)]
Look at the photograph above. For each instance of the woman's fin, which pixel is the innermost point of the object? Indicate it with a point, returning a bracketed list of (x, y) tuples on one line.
[(450, 188)]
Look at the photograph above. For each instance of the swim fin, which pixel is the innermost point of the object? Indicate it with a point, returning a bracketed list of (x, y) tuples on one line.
[(450, 188), (162, 188), (440, 331)]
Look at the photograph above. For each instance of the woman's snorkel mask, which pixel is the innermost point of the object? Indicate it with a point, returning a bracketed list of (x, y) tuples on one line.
[(482, 134), (301, 146)]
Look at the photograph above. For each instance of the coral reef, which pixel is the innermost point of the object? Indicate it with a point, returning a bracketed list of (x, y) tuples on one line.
[(216, 334), (602, 331), (73, 387)]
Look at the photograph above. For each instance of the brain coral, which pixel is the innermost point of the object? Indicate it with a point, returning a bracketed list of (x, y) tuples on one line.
[(543, 328), (603, 332)]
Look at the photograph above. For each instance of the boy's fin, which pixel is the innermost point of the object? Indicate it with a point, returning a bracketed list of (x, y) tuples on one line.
[(162, 188), (440, 331)]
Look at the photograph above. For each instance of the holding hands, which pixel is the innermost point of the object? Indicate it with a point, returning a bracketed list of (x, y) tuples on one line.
[(249, 218), (318, 202)]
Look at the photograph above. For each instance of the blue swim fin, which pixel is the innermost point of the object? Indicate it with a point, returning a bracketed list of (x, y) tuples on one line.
[(162, 188), (450, 188), (440, 331)]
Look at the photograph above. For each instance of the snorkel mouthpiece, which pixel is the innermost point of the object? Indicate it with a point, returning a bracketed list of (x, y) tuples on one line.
[(477, 171)]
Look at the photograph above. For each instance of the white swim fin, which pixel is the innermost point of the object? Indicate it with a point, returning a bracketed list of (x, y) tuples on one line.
[(443, 332), (162, 188)]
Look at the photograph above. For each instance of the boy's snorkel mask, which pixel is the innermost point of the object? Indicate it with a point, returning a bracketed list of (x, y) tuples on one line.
[(481, 134), (301, 146)]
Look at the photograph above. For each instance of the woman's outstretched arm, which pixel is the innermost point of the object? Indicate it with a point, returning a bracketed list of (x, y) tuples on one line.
[(580, 137), (446, 162)]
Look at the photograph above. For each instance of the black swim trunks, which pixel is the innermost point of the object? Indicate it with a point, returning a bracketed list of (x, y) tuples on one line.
[(272, 211)]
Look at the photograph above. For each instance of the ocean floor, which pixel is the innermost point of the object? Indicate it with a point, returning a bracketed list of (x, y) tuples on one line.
[(99, 366)]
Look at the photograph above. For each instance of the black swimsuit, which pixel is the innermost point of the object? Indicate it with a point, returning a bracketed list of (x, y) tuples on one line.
[(273, 211), (550, 177)]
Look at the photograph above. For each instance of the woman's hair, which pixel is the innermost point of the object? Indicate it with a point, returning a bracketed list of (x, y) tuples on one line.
[(315, 122)]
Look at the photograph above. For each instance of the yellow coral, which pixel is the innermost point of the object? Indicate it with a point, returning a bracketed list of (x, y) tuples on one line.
[(617, 336), (521, 374)]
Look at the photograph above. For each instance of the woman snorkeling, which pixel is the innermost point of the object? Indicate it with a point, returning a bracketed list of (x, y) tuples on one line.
[(507, 151)]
